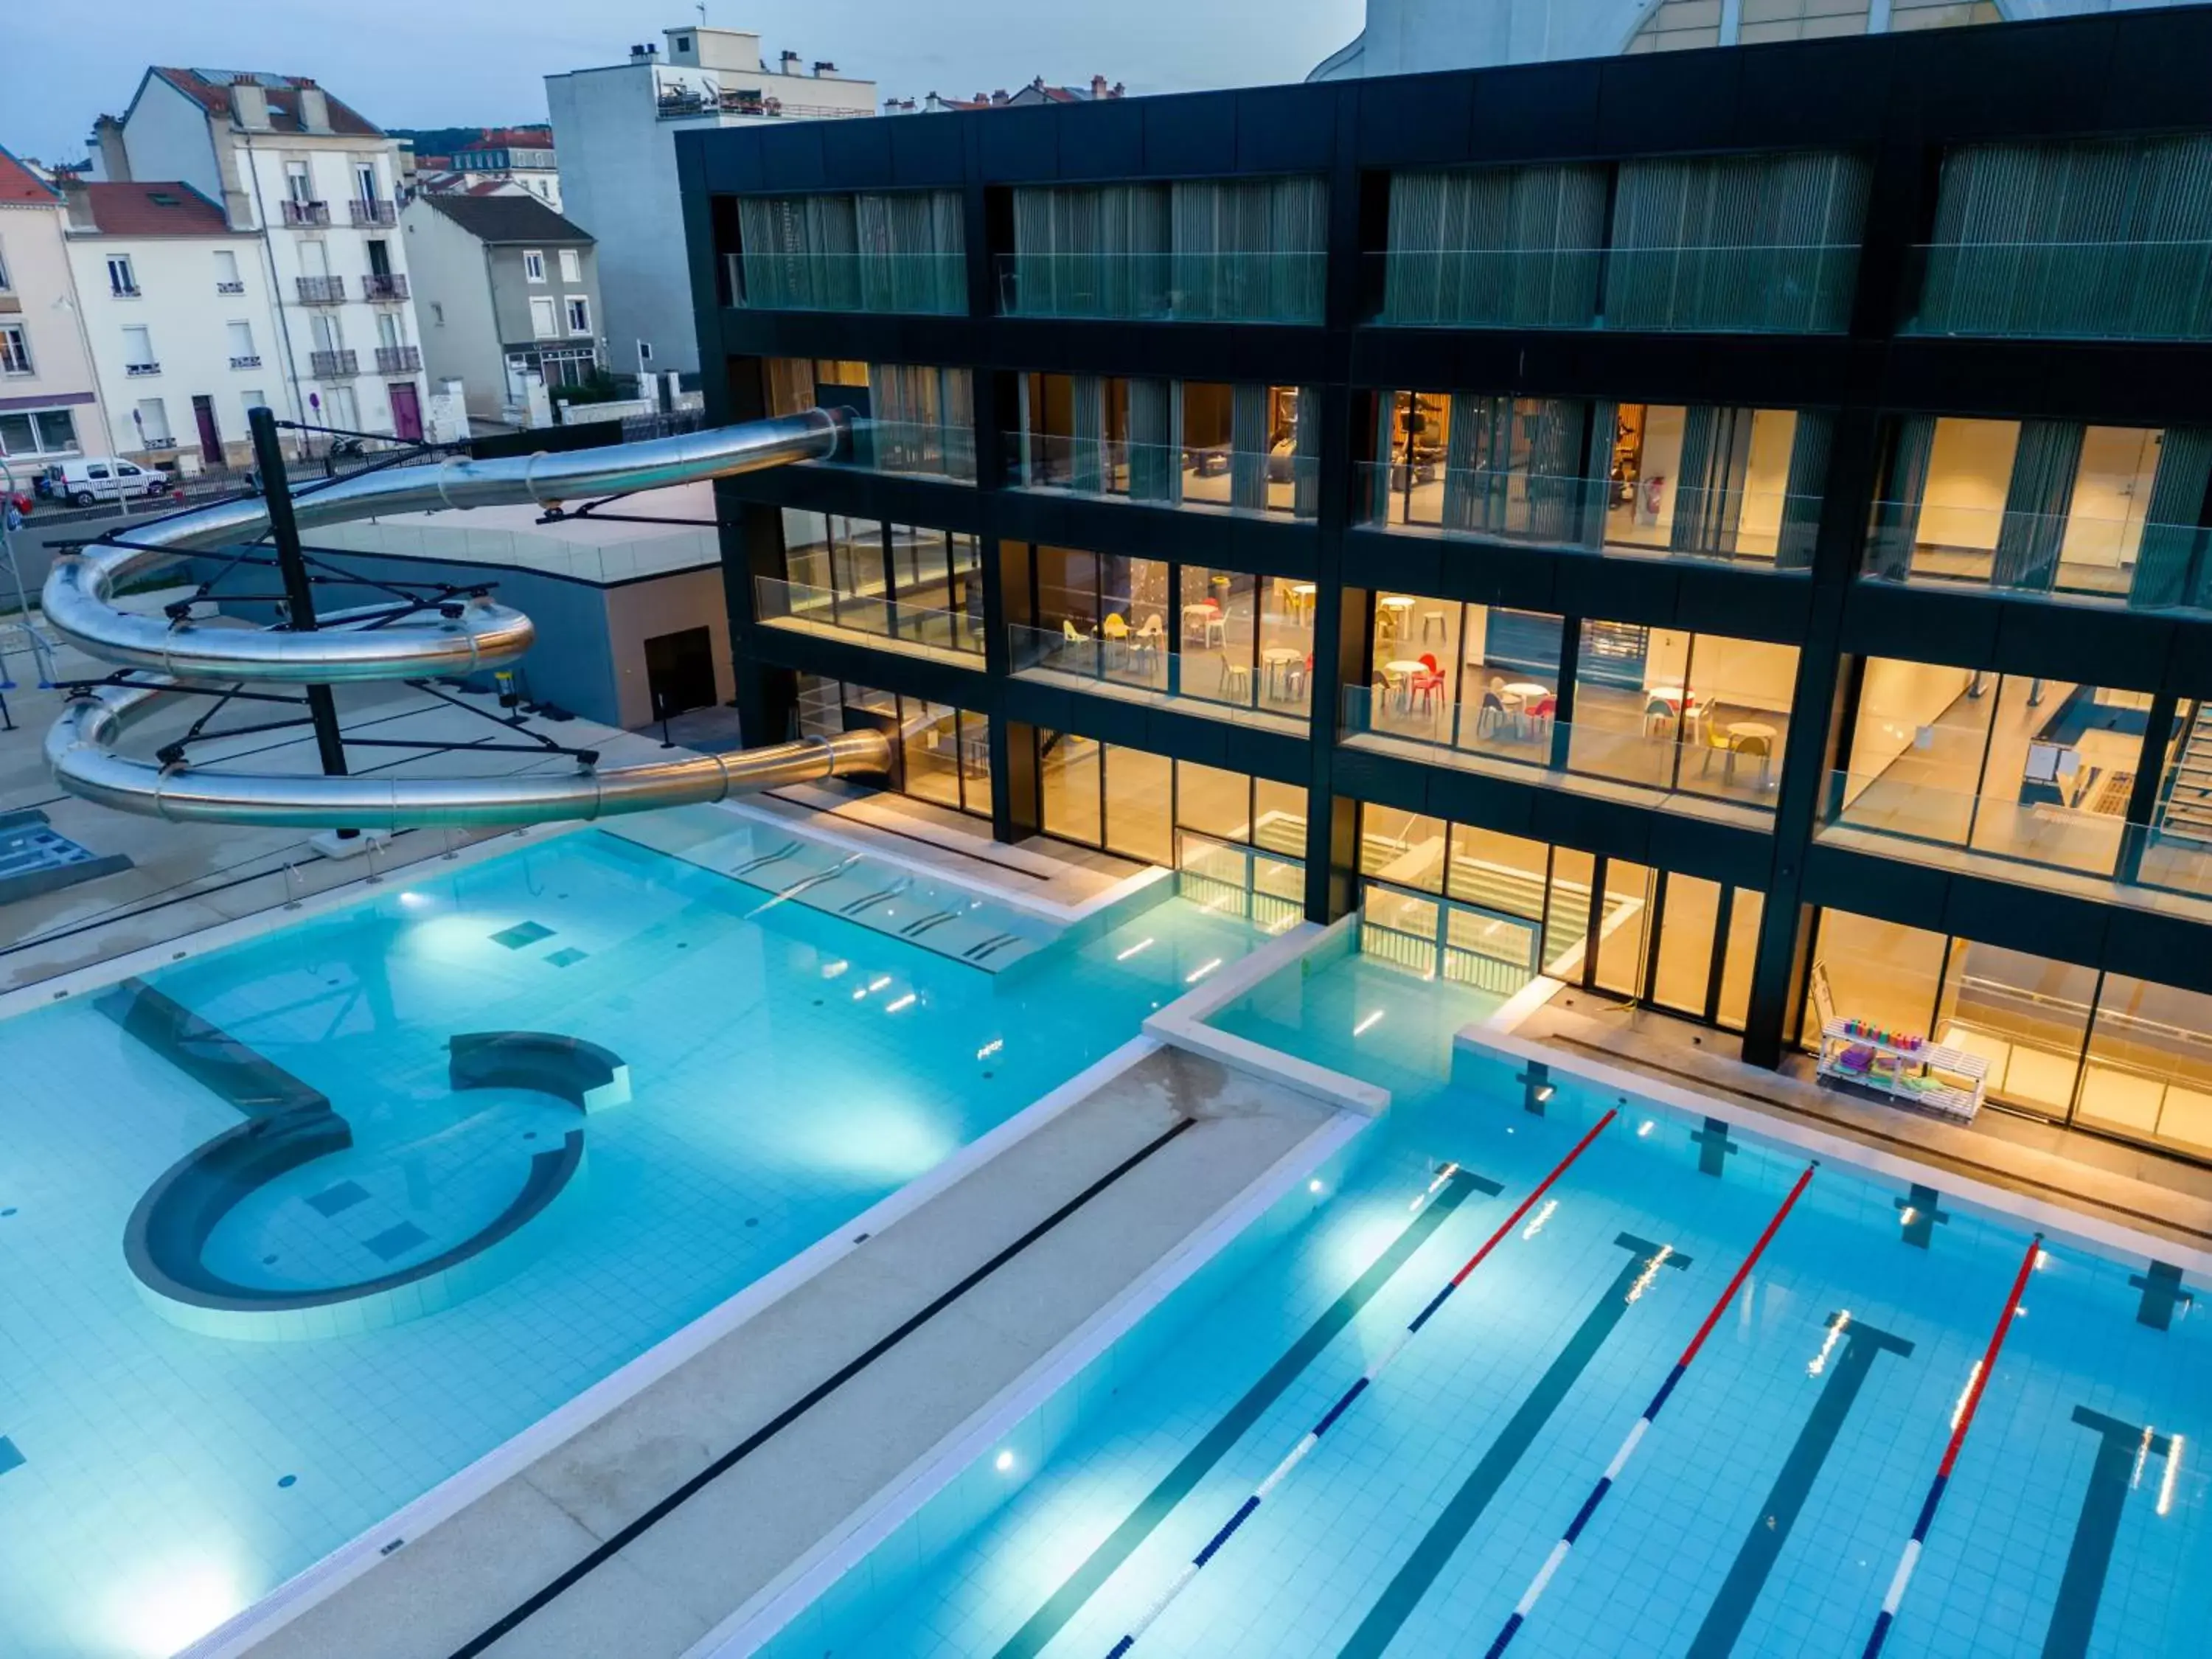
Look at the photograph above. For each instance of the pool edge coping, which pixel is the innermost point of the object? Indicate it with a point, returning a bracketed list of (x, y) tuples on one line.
[(513, 1456), (775, 1604)]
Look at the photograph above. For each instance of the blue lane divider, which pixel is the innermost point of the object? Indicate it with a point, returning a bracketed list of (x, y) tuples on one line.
[(1977, 1382), (1365, 1381), (1535, 1593)]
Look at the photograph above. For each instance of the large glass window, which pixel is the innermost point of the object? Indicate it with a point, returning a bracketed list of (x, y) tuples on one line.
[(945, 752), (2148, 1073), (1244, 448), (919, 419), (868, 252), (1702, 714), (901, 581), (1177, 813)]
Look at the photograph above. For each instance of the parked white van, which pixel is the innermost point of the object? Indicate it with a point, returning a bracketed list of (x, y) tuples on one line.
[(103, 478)]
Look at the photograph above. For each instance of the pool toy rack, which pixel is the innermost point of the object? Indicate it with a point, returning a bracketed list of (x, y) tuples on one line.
[(1905, 1068)]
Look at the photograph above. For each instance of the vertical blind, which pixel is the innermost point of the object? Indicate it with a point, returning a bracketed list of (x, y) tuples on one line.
[(871, 252), (1499, 246), (926, 419), (1219, 250), (2110, 238)]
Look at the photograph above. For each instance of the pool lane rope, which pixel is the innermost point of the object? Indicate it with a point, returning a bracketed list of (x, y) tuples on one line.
[(1977, 1382), (1535, 1593), (1366, 1380)]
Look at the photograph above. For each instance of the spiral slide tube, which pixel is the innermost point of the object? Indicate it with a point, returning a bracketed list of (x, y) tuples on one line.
[(464, 639)]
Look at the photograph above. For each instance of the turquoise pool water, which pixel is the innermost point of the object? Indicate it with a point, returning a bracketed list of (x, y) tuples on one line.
[(1764, 1512), (785, 1069)]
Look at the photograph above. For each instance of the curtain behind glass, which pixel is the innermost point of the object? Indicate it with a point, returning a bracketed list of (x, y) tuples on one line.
[(1709, 495), (1897, 515), (1155, 441), (1305, 483), (899, 252), (1554, 428), (2170, 568), (1497, 245), (1474, 448), (1808, 482), (1604, 433), (1247, 448), (2041, 489), (1738, 242), (1087, 460)]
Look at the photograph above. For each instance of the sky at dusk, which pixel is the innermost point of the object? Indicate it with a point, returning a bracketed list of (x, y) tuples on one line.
[(415, 64)]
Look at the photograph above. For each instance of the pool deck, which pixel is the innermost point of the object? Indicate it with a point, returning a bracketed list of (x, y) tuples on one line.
[(2144, 1190), (1081, 1210)]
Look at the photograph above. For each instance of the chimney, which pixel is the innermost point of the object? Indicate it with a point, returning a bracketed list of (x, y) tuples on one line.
[(999, 96), (249, 104), (1097, 86), (77, 200), (314, 108), (786, 63), (823, 66), (110, 160), (1116, 93)]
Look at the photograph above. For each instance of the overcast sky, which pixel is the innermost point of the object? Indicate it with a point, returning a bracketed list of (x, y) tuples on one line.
[(452, 63)]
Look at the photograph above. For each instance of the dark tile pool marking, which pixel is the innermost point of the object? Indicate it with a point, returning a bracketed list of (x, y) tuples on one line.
[(1535, 1086), (1919, 1207), (567, 958), (522, 934), (621, 1539), (394, 1242), (1451, 1527), (935, 919), (10, 1457), (853, 907), (1724, 1620), (991, 947), (2161, 1292), (333, 1200), (1102, 1562), (2120, 1447), (250, 1082), (763, 861), (1714, 1146)]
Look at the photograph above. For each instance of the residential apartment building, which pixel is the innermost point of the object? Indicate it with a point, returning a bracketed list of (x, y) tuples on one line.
[(519, 155), (615, 129), (508, 291), (180, 318), (316, 182), (50, 407), (1727, 529)]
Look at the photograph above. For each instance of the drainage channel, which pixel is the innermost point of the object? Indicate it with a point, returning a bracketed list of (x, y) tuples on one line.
[(544, 1597)]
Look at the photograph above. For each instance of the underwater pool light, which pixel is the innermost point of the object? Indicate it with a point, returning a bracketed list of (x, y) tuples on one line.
[(1003, 1463)]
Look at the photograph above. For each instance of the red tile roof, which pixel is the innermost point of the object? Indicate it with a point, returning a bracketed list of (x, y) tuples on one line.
[(515, 138), (20, 187), (210, 90), (142, 209)]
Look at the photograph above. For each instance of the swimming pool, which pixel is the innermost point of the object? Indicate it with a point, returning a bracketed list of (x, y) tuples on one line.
[(1763, 1511), (678, 1086)]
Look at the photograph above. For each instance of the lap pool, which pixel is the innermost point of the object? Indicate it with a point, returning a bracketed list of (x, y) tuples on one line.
[(1765, 1509), (582, 1094)]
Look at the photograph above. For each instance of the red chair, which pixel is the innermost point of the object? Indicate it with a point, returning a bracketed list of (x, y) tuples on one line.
[(1539, 715), (1429, 684)]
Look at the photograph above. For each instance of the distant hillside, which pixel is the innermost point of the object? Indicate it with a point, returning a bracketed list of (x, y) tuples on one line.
[(444, 141)]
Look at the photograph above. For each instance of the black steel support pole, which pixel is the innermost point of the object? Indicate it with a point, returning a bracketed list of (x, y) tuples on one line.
[(299, 593)]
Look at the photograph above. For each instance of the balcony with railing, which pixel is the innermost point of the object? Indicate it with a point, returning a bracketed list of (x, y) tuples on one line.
[(2077, 555), (333, 365), (913, 449), (884, 620), (233, 286), (2080, 290), (365, 213), (321, 290), (252, 361), (1209, 477), (935, 284), (382, 288), (307, 213), (1210, 675), (1655, 519), (399, 360), (142, 371), (1270, 286), (1734, 288)]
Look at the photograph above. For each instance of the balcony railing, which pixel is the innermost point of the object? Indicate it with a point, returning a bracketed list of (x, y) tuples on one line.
[(913, 449), (2070, 555), (676, 104), (1797, 289), (1165, 287), (249, 361), (123, 290), (932, 284), (2065, 291), (923, 631), (321, 290), (1212, 477), (381, 287), (333, 365), (233, 287), (1142, 664), (307, 213), (1768, 528), (399, 360), (140, 371), (373, 213)]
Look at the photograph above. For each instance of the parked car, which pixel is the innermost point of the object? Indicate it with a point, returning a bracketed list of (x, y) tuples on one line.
[(103, 478)]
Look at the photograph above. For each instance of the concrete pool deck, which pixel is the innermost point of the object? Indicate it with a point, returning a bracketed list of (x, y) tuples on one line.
[(1074, 1213)]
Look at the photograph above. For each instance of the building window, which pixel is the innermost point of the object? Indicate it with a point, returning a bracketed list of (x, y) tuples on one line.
[(438, 312), (533, 265), (6, 286), (905, 251), (580, 315), (152, 420), (138, 356), (46, 432), (298, 188), (227, 277), (572, 266), (544, 321), (923, 418), (1248, 448), (122, 281), (947, 750), (364, 182), (14, 349), (242, 354), (1227, 250), (904, 582)]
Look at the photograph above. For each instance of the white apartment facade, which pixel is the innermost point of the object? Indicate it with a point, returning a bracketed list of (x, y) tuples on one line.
[(316, 186), (614, 130), (50, 407), (180, 319)]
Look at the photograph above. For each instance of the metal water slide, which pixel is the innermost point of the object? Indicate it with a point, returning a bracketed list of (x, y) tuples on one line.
[(461, 637)]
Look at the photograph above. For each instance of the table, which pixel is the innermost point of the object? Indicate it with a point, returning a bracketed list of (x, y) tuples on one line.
[(1279, 660), (1301, 600), (1741, 730), (1520, 697), (1391, 612), (1400, 674)]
